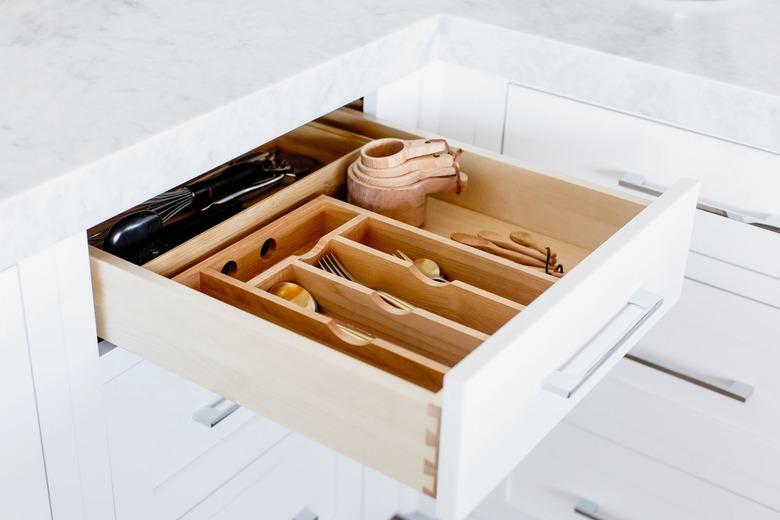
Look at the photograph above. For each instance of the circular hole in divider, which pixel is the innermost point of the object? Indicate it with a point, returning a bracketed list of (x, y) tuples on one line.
[(267, 249), (230, 268)]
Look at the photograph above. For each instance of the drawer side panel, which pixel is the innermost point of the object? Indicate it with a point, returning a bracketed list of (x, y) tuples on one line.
[(363, 412)]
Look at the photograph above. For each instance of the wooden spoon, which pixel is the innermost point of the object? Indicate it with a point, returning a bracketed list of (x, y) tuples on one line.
[(490, 247), (426, 266), (525, 239), (500, 241)]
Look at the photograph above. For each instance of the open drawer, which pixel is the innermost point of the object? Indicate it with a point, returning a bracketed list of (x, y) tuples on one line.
[(492, 385)]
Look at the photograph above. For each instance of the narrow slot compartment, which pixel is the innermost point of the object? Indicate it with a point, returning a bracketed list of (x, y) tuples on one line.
[(512, 281), (456, 300), (293, 234), (417, 330), (326, 327)]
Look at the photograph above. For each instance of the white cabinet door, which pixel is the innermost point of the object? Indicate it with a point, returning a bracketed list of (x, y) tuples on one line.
[(575, 469), (297, 480), (23, 492), (60, 321)]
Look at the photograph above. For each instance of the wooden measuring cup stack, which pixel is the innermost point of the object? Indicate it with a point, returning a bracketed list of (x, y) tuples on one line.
[(394, 176)]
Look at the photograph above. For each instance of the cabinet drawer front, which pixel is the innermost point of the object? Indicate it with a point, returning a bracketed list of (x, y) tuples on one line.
[(500, 400), (298, 479), (496, 403), (163, 461), (721, 339), (686, 428), (605, 144), (573, 467)]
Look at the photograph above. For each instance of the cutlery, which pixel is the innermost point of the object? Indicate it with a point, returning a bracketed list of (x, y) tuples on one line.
[(332, 265), (296, 294), (426, 266), (500, 241)]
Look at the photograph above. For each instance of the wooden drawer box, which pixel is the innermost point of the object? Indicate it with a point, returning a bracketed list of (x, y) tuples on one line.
[(455, 436)]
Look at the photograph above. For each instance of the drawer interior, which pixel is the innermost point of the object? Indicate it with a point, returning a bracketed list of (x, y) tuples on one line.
[(388, 385)]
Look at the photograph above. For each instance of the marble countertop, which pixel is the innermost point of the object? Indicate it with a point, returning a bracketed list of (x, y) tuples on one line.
[(104, 104)]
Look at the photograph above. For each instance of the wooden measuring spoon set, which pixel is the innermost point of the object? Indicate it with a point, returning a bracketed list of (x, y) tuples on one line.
[(520, 247), (393, 176)]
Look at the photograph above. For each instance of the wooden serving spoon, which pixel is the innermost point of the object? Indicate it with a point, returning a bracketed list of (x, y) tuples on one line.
[(490, 247), (500, 241)]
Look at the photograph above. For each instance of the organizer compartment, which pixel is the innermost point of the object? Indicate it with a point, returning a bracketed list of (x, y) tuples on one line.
[(455, 300), (293, 234)]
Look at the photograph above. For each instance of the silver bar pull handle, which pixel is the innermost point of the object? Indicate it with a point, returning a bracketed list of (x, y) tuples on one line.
[(214, 413), (305, 514), (588, 509), (639, 183), (604, 345), (735, 390)]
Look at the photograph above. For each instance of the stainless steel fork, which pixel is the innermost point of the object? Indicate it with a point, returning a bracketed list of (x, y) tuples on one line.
[(331, 264)]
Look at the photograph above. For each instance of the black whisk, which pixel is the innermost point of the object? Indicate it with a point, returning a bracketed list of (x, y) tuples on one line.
[(264, 171)]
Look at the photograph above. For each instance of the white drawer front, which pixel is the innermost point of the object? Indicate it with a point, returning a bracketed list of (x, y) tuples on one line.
[(497, 402), (162, 461), (572, 466), (686, 428), (722, 339), (601, 145), (297, 480)]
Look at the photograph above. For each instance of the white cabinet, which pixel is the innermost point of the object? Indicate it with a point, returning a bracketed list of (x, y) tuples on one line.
[(163, 461), (721, 339), (573, 469), (23, 490)]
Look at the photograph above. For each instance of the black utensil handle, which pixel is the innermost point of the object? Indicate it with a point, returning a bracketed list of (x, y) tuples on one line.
[(226, 182), (130, 231)]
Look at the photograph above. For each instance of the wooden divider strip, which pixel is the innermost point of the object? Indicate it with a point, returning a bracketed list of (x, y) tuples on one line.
[(381, 353), (419, 330), (505, 278), (457, 300)]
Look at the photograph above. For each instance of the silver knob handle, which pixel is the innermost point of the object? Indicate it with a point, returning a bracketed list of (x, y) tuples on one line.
[(581, 367), (735, 390), (214, 413), (588, 509), (639, 183)]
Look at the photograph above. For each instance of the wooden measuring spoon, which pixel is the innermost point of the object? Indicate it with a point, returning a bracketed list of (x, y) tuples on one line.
[(391, 152), (402, 180), (500, 241), (426, 162), (525, 239), (490, 247)]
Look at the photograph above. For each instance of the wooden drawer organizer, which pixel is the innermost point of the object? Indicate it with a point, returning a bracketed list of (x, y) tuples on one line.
[(449, 397), (449, 320)]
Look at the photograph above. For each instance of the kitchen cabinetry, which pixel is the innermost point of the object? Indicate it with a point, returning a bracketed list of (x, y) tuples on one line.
[(707, 409), (23, 491)]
